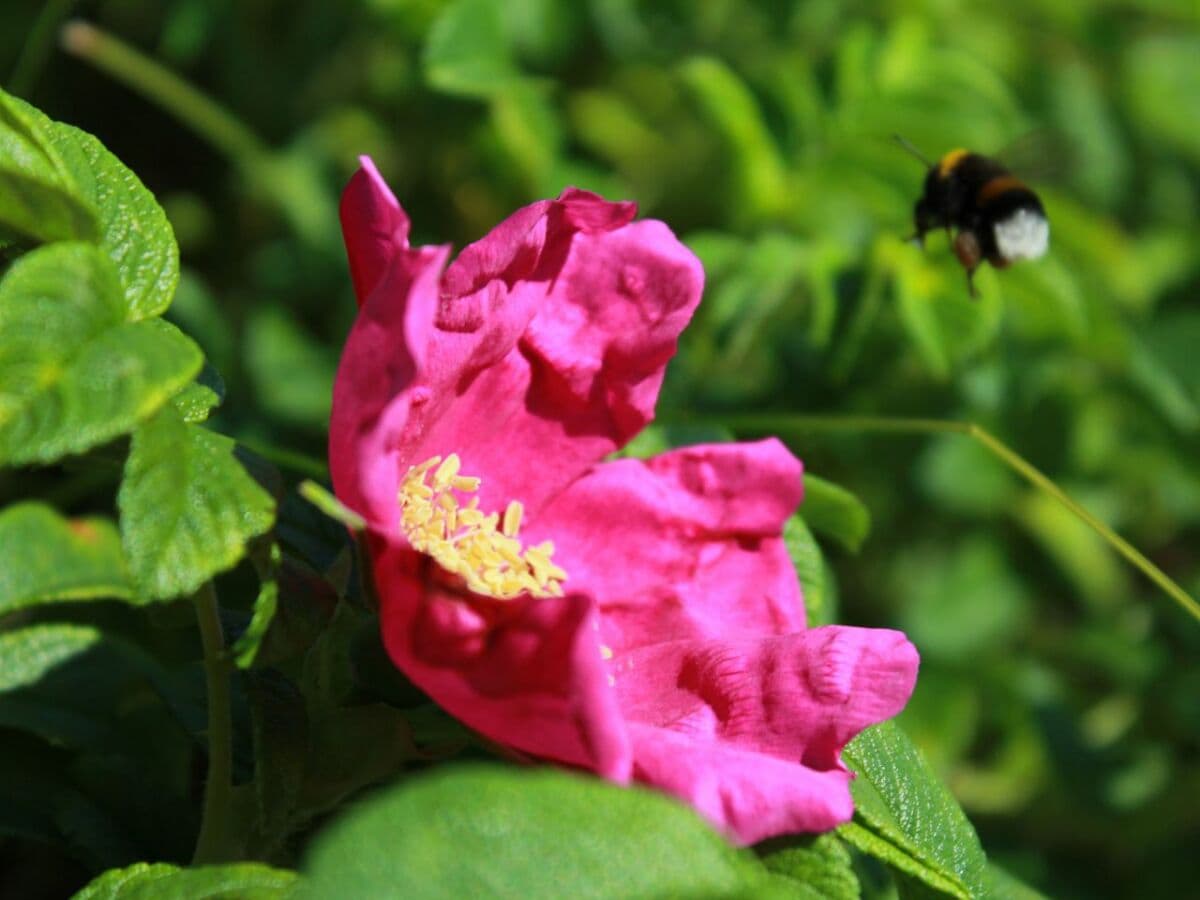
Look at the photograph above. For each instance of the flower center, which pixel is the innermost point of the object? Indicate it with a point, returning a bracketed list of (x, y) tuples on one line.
[(481, 548)]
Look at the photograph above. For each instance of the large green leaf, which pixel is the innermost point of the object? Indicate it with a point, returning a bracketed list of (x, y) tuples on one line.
[(134, 231), (45, 557), (162, 881), (39, 198), (73, 372), (188, 507), (473, 831), (907, 818)]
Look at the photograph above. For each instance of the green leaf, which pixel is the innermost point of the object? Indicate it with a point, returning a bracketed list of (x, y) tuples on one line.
[(134, 231), (188, 507), (73, 372), (834, 512), (246, 648), (46, 558), (469, 831), (162, 881), (907, 818), (195, 402), (810, 567), (467, 52), (816, 868), (27, 654), (39, 198)]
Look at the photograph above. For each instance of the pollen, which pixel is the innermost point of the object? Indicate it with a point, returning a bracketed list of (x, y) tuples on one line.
[(483, 549)]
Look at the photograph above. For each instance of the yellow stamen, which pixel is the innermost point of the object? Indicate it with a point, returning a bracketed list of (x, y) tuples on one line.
[(512, 518), (481, 548)]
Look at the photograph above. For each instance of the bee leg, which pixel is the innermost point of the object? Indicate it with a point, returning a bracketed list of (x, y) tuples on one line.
[(966, 248)]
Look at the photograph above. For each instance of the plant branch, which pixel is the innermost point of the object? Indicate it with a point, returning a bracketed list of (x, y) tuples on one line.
[(211, 844)]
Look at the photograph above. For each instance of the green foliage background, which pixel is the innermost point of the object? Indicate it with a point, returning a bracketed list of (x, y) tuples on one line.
[(1059, 695)]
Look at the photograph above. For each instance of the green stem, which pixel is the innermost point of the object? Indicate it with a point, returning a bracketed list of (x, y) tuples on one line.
[(203, 115), (886, 424), (37, 46), (212, 842)]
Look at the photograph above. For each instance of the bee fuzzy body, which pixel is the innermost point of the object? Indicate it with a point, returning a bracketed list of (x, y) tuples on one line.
[(993, 214)]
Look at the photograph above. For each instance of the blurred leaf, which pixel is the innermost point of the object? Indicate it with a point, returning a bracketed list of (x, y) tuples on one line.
[(1082, 555), (1159, 76), (907, 818), (834, 512), (38, 195), (46, 558), (964, 477), (293, 375), (528, 128), (162, 881), (758, 174), (961, 603), (73, 372), (810, 567), (474, 830), (1161, 388), (467, 52), (187, 506), (816, 868)]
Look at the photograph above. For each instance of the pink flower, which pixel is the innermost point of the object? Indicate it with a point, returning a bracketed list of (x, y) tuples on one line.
[(637, 618)]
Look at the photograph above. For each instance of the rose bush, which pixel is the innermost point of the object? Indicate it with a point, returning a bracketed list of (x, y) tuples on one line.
[(636, 618)]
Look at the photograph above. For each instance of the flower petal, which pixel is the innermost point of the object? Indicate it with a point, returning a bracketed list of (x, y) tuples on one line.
[(540, 350), (526, 673), (374, 226), (683, 546), (761, 723)]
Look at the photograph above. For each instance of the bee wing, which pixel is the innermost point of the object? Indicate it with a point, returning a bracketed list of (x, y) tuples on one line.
[(1042, 155)]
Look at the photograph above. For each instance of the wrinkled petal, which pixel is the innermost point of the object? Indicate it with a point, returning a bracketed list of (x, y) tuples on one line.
[(526, 673), (540, 350), (685, 545), (751, 731)]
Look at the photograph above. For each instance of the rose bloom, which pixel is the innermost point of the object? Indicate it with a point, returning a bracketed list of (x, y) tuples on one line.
[(637, 618)]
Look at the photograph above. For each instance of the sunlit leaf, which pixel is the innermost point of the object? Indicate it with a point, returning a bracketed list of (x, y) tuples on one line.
[(73, 372), (188, 506), (39, 198), (905, 816)]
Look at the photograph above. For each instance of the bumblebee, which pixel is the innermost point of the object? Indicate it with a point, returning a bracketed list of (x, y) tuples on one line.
[(996, 217)]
